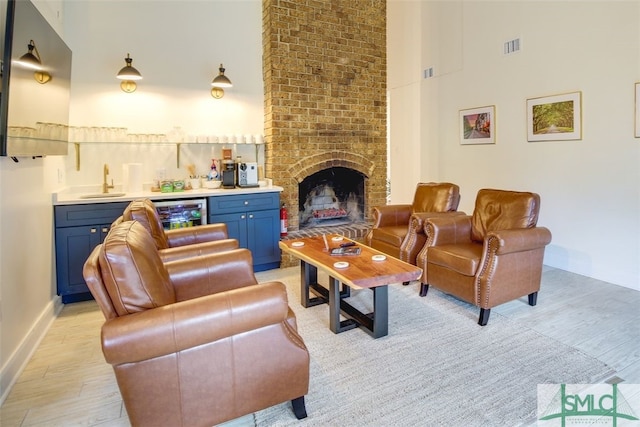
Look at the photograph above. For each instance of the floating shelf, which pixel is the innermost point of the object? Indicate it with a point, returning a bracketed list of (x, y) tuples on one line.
[(77, 145)]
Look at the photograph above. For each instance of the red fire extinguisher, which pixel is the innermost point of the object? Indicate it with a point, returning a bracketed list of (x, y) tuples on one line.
[(284, 221)]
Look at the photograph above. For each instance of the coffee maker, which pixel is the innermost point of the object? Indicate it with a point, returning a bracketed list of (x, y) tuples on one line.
[(247, 174), (228, 174)]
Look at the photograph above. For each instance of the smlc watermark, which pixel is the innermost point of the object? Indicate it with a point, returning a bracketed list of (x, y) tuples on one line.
[(578, 405)]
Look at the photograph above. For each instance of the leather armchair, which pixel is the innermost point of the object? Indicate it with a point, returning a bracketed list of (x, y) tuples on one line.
[(180, 242), (398, 229), (196, 341), (490, 257)]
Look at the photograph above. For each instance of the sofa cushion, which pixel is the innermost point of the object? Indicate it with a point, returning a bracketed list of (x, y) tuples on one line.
[(503, 210), (392, 234), (132, 270), (463, 258), (436, 197)]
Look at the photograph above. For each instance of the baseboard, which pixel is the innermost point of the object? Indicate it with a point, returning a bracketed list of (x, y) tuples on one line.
[(11, 370)]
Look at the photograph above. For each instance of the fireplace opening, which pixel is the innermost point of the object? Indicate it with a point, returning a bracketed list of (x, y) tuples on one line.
[(331, 197)]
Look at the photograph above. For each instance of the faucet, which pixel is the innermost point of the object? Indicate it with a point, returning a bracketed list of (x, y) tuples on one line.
[(105, 185)]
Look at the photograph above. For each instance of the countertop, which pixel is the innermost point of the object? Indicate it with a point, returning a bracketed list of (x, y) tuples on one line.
[(74, 195)]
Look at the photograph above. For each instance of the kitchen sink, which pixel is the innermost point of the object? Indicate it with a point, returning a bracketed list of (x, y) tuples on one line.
[(101, 195)]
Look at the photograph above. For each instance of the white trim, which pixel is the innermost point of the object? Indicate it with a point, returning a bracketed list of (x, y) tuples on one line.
[(16, 363)]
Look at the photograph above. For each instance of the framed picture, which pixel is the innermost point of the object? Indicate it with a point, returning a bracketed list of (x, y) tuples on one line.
[(555, 118), (478, 125), (637, 120)]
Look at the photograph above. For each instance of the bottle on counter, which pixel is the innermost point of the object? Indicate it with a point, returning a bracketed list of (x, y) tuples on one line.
[(213, 173)]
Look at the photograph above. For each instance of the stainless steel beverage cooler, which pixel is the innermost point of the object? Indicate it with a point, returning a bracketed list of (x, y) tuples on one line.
[(182, 213)]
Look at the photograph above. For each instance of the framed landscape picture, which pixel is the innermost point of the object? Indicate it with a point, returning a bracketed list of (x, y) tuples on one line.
[(555, 118), (478, 125)]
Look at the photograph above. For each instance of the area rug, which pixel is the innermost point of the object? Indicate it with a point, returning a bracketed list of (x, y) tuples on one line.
[(436, 367)]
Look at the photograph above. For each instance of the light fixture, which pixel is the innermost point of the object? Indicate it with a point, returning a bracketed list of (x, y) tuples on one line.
[(219, 82), (128, 74), (33, 61), (42, 77), (29, 60)]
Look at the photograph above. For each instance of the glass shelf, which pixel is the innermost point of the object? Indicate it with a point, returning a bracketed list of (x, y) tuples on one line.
[(77, 145)]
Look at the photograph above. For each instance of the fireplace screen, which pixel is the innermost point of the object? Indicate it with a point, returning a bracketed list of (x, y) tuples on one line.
[(331, 197)]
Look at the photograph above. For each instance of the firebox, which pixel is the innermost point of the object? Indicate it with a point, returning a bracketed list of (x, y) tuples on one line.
[(331, 197)]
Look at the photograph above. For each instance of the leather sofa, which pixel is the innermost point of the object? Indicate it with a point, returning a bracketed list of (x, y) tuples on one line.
[(398, 229), (490, 257), (196, 341)]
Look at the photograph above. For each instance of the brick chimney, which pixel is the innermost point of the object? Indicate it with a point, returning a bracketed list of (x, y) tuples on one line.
[(324, 65)]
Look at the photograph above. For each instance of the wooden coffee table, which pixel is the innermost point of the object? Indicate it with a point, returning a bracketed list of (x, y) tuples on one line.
[(362, 272)]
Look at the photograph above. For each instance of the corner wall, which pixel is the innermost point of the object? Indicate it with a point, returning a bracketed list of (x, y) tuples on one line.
[(590, 189), (28, 302)]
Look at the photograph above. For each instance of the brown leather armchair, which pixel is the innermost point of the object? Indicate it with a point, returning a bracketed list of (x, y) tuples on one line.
[(398, 229), (180, 242), (489, 258), (194, 342)]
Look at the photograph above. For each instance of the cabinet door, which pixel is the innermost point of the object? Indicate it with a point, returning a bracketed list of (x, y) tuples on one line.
[(263, 231), (73, 246), (89, 214), (243, 202), (236, 226)]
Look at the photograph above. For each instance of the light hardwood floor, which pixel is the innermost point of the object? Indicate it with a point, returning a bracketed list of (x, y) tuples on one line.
[(68, 383)]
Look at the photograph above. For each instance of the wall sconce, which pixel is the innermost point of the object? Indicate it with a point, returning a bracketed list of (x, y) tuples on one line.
[(128, 74), (34, 62), (219, 82)]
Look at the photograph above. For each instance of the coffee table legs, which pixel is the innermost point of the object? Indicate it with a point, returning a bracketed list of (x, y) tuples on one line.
[(375, 323), (309, 282), (335, 304)]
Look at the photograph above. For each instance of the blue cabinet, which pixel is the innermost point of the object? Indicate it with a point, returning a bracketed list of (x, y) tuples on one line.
[(79, 229), (253, 219)]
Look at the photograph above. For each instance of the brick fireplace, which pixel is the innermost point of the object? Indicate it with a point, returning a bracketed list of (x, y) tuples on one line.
[(324, 65)]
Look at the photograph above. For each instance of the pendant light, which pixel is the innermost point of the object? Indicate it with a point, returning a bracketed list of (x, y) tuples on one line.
[(219, 82), (128, 74)]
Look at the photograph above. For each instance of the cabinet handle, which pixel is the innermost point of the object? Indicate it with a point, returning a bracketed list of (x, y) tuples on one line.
[(246, 202), (105, 229), (243, 216), (93, 230), (250, 216)]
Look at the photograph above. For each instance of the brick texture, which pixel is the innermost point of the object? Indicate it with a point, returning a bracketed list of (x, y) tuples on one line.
[(324, 65)]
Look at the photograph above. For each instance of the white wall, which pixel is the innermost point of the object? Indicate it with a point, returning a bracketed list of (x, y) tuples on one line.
[(590, 189), (177, 47), (27, 285), (403, 87)]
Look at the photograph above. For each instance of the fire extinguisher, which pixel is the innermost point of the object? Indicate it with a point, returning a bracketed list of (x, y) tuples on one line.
[(284, 221)]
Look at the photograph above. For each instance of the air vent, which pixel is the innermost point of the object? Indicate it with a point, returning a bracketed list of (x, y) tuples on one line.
[(427, 73), (511, 46)]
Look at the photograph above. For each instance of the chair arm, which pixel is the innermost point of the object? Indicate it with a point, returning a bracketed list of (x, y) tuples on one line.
[(184, 325), (447, 229), (186, 251), (518, 240), (416, 222), (199, 234), (207, 274), (384, 216)]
